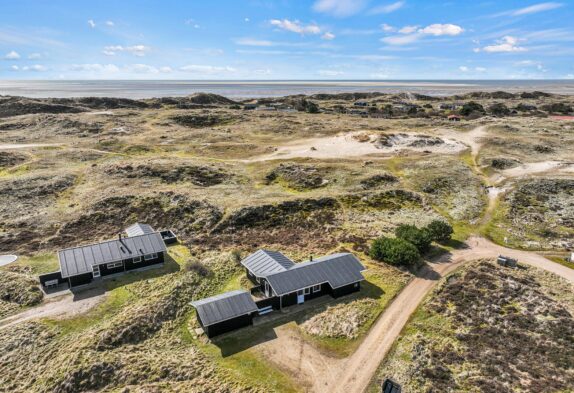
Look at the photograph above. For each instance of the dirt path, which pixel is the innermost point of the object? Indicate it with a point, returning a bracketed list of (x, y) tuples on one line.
[(11, 146), (58, 307), (355, 373)]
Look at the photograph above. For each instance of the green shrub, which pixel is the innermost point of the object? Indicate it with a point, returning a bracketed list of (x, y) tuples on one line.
[(420, 238), (394, 251), (471, 107), (440, 231), (197, 267)]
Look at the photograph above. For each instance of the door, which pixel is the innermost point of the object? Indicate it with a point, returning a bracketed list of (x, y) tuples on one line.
[(267, 291), (96, 271), (300, 297)]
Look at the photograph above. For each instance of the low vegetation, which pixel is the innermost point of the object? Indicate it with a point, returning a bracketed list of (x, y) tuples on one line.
[(481, 330)]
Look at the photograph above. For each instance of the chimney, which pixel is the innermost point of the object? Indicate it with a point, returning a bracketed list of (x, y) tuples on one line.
[(311, 258)]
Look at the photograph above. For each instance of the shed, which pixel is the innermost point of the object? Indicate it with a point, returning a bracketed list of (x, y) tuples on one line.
[(506, 261), (225, 312), (453, 118)]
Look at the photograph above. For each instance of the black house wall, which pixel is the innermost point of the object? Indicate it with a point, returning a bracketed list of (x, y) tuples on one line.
[(130, 265), (229, 325), (325, 290), (346, 290), (52, 276), (80, 279), (105, 271), (289, 300)]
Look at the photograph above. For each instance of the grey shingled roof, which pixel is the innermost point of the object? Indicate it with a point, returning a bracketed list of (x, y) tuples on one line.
[(225, 306), (79, 260), (139, 229), (337, 270), (264, 262)]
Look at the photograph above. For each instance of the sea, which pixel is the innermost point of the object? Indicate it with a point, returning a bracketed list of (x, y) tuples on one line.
[(138, 89)]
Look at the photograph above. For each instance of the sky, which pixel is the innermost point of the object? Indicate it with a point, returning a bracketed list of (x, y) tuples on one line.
[(282, 40)]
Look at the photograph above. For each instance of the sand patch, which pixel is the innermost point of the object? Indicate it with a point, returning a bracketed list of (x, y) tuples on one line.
[(361, 144)]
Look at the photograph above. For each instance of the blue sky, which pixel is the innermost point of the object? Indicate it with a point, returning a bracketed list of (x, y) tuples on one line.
[(259, 39)]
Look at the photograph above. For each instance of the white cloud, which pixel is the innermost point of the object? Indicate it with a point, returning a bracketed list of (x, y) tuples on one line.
[(536, 8), (246, 19), (408, 29), (480, 69), (569, 76), (34, 56), (12, 55), (438, 29), (95, 67), (387, 28), (339, 8), (401, 39), (109, 23), (207, 69), (192, 23), (414, 33), (296, 26), (91, 23), (35, 68), (328, 36), (330, 72), (253, 42), (14, 68), (463, 68), (387, 9), (507, 44), (136, 50)]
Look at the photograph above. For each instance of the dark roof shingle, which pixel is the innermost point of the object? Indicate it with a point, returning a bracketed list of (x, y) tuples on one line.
[(265, 262), (79, 260), (337, 270), (225, 306)]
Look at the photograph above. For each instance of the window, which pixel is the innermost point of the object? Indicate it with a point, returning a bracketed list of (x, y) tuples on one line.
[(316, 288), (150, 256), (137, 259), (306, 291), (114, 265)]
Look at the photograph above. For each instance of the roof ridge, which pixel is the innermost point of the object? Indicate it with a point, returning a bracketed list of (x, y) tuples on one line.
[(109, 241)]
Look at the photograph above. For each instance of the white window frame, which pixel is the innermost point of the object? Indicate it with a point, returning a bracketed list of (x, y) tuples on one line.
[(153, 255), (316, 288), (307, 291), (137, 259), (114, 265)]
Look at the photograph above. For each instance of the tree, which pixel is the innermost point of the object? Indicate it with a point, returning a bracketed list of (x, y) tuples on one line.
[(394, 251), (440, 231), (499, 109), (471, 107), (420, 238)]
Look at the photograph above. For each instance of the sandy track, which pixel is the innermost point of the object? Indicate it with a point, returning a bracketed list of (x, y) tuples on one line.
[(11, 146), (355, 373), (60, 307)]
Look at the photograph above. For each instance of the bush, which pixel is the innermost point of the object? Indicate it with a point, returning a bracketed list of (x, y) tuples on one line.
[(471, 107), (440, 231), (394, 251), (420, 238), (197, 267), (499, 109)]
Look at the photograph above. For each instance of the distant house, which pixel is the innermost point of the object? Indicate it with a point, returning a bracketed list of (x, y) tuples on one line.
[(280, 282), (361, 103), (265, 108), (141, 246), (249, 107), (453, 118)]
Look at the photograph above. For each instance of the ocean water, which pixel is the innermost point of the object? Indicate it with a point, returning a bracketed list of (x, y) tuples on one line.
[(137, 89)]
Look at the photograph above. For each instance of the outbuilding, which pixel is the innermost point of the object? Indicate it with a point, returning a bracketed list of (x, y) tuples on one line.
[(225, 312)]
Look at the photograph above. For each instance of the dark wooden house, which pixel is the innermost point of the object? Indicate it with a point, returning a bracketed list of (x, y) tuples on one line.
[(225, 312), (80, 265), (285, 283)]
